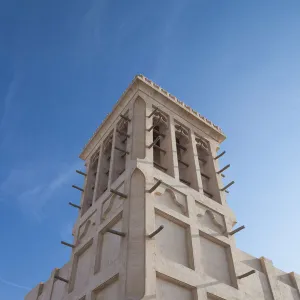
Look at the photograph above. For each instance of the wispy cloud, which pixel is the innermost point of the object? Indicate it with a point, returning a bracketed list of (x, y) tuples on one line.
[(13, 284), (8, 100), (31, 191)]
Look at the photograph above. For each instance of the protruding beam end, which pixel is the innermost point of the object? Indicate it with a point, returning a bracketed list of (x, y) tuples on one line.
[(155, 186), (220, 155), (122, 234), (153, 112), (67, 244), (246, 274), (222, 170), (61, 279), (118, 193), (154, 233), (81, 173), (125, 118), (227, 186), (77, 188), (75, 205), (236, 230)]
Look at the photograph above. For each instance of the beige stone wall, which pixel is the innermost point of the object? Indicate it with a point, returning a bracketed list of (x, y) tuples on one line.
[(194, 256)]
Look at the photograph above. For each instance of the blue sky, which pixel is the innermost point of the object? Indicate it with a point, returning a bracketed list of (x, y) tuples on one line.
[(63, 64)]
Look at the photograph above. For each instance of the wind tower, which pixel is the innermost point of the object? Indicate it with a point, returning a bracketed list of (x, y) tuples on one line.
[(153, 221)]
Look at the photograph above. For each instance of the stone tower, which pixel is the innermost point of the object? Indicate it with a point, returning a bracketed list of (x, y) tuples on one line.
[(153, 220)]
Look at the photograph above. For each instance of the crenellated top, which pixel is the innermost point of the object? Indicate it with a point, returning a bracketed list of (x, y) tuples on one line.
[(165, 94), (177, 101)]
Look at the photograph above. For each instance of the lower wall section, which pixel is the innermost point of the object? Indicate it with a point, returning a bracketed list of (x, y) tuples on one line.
[(171, 242), (167, 290), (215, 260), (108, 291)]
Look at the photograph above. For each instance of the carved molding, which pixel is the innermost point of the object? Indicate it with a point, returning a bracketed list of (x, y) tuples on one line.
[(213, 218), (122, 125), (160, 118), (95, 156), (202, 144), (173, 197), (108, 144), (182, 132)]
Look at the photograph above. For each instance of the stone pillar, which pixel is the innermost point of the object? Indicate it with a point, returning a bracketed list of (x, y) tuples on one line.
[(196, 163), (97, 186), (267, 266), (135, 275), (138, 129), (112, 158), (51, 285), (172, 163), (295, 278)]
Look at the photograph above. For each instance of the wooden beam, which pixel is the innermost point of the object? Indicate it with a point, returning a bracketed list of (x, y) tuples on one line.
[(67, 244), (160, 149), (78, 188), (122, 133), (74, 205), (246, 274), (61, 279), (184, 163), (118, 193), (154, 142), (236, 230), (81, 173), (227, 186), (121, 150), (205, 176), (207, 193), (185, 181), (155, 232), (221, 154), (125, 118), (159, 133), (153, 112), (159, 166), (225, 168), (155, 186), (122, 234)]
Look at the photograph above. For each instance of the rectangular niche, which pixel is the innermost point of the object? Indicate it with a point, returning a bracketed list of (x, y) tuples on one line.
[(206, 217), (207, 169), (215, 258), (170, 198), (162, 143), (167, 290), (107, 291), (173, 242), (109, 245), (82, 267), (185, 156)]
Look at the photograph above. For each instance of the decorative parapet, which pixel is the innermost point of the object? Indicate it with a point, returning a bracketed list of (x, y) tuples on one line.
[(177, 101), (166, 94)]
